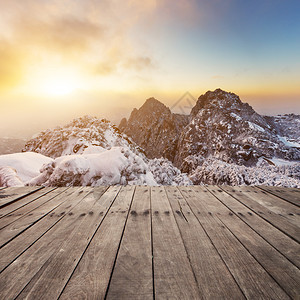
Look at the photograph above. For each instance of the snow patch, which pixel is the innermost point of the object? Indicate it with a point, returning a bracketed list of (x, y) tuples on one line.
[(27, 164), (288, 143), (238, 118), (255, 127)]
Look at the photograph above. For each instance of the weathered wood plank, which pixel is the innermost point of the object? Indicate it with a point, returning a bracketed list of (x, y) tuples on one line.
[(19, 273), (213, 278), (43, 196), (91, 277), (12, 194), (273, 203), (283, 271), (12, 230), (17, 246), (276, 220), (252, 278), (49, 282), (132, 275), (173, 274), (284, 244), (24, 201), (290, 195)]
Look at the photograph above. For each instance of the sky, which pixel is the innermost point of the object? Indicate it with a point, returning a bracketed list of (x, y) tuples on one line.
[(61, 59)]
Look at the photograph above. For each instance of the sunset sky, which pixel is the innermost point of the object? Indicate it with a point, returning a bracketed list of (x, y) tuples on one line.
[(61, 59)]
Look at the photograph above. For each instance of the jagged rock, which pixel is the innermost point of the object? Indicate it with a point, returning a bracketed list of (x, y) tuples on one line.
[(220, 125), (155, 128)]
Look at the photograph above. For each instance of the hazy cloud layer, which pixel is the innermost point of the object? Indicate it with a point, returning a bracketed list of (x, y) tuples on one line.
[(95, 35)]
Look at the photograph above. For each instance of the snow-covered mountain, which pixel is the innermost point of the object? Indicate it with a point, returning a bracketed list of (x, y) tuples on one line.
[(220, 128), (223, 127), (87, 151), (85, 135), (222, 141)]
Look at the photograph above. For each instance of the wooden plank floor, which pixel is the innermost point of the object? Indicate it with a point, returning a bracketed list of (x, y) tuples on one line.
[(199, 242)]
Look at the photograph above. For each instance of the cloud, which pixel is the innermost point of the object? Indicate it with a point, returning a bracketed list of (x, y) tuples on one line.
[(139, 63), (95, 35), (63, 34)]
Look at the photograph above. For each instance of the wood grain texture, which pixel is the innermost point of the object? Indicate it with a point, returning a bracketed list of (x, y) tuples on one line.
[(49, 282), (276, 220), (19, 273), (12, 194), (290, 195), (12, 207), (17, 246), (26, 221), (280, 241), (286, 274), (149, 242), (132, 275), (252, 278), (43, 196), (213, 277), (173, 273), (278, 206), (92, 275)]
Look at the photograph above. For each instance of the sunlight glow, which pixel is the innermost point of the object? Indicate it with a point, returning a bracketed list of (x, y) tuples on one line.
[(59, 85), (55, 82)]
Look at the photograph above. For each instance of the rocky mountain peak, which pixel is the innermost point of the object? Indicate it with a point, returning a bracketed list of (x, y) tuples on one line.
[(153, 105), (220, 125), (220, 100), (154, 127)]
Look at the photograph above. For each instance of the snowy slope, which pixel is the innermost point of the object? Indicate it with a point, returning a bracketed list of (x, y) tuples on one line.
[(27, 165), (87, 151), (214, 171), (220, 128), (224, 127), (82, 135)]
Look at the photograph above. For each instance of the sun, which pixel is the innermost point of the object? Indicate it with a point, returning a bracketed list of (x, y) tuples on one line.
[(59, 86), (56, 82)]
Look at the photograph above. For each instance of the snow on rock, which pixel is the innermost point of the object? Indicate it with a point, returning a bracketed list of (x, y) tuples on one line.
[(254, 126), (27, 165), (118, 165), (82, 135), (166, 174), (214, 171), (9, 177), (115, 166), (288, 143)]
